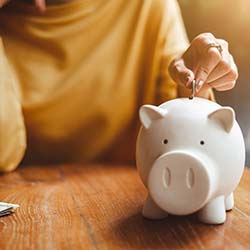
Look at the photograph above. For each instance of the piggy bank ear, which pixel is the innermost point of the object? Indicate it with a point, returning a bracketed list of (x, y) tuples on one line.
[(149, 113), (224, 117)]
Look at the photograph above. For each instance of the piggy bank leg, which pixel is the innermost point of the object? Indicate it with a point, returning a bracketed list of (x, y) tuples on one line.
[(214, 212), (229, 202), (152, 211)]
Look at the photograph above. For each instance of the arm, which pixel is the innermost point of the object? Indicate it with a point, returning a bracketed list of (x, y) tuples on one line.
[(12, 130)]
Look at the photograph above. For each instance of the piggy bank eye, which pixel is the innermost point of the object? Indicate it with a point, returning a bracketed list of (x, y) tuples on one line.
[(165, 141), (202, 142)]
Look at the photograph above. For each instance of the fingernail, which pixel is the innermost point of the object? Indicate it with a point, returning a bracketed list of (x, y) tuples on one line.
[(188, 81), (199, 85)]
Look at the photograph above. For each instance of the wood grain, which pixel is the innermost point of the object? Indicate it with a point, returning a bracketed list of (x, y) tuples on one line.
[(99, 207)]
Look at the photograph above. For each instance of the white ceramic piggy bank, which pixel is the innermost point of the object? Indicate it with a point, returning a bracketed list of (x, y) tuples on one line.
[(190, 155)]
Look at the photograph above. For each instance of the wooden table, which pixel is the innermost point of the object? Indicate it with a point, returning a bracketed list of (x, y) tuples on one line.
[(99, 207)]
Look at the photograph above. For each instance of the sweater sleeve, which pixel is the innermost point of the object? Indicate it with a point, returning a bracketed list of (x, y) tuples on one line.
[(12, 129)]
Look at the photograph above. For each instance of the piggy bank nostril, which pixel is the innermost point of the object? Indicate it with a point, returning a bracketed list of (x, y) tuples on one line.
[(166, 177), (190, 179), (165, 141)]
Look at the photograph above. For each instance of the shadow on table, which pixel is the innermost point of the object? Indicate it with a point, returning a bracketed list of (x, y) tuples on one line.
[(174, 232)]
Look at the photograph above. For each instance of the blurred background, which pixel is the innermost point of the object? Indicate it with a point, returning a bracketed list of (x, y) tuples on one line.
[(230, 20)]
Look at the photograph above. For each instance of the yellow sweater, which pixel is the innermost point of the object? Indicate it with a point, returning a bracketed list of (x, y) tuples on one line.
[(72, 79)]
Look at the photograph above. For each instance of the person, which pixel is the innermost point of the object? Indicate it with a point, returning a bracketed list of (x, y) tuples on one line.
[(73, 74)]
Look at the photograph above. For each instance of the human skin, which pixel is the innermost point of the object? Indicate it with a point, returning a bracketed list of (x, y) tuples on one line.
[(40, 4), (207, 65)]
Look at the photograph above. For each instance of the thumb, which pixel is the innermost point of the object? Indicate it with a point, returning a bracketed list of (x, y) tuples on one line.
[(3, 2), (180, 73), (41, 5)]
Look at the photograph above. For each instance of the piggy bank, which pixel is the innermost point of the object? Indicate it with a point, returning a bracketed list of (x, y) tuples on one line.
[(190, 155)]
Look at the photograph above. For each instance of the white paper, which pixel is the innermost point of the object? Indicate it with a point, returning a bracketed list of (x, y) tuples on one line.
[(7, 208)]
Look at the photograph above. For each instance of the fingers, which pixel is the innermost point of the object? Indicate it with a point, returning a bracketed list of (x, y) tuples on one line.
[(222, 68), (180, 73), (226, 86), (227, 80), (211, 65), (225, 64), (41, 5), (207, 64), (204, 90), (3, 2), (208, 61), (209, 58)]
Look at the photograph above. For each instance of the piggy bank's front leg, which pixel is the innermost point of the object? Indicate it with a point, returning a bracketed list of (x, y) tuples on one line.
[(213, 212), (152, 211)]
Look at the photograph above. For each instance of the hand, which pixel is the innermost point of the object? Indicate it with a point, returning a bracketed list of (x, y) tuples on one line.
[(210, 67), (40, 4)]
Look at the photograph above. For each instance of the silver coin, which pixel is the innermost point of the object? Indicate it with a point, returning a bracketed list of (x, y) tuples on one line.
[(193, 90)]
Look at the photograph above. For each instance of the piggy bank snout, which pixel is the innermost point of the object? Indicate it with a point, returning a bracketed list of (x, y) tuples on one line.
[(180, 183)]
